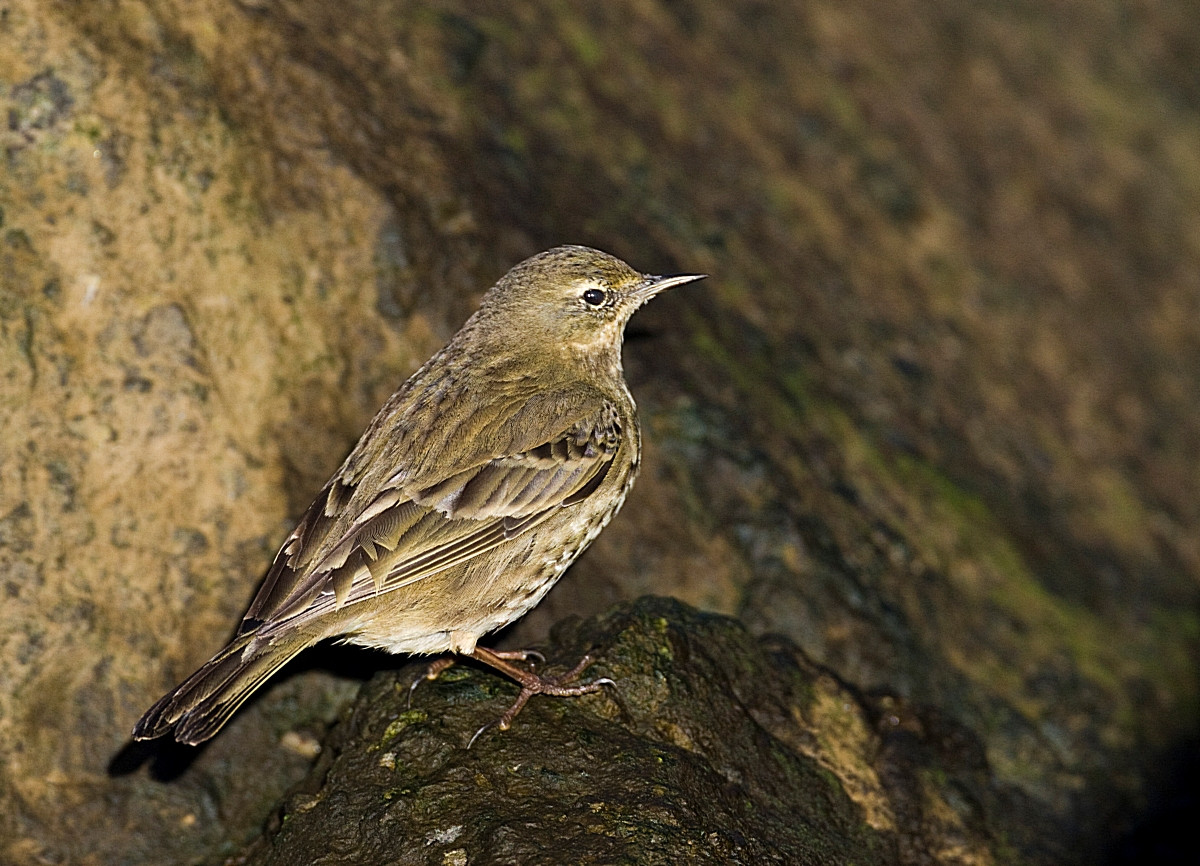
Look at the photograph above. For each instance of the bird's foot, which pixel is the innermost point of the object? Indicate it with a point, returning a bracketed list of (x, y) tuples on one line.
[(440, 665), (534, 684)]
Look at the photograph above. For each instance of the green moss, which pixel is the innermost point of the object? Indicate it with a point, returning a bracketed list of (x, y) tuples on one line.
[(1050, 626), (1029, 629), (581, 41), (398, 725)]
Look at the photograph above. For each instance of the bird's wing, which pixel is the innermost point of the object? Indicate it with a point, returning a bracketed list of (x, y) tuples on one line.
[(348, 547)]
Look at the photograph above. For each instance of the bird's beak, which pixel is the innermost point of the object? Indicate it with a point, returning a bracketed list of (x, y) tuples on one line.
[(653, 285)]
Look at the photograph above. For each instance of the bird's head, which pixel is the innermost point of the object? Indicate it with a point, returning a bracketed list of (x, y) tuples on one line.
[(573, 299)]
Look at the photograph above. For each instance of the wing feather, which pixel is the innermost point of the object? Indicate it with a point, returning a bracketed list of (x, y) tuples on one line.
[(350, 545)]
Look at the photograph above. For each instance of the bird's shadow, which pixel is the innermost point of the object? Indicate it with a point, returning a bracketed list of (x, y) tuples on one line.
[(168, 759)]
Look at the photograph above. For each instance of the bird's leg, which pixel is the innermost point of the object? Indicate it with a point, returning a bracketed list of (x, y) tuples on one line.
[(533, 684), (439, 666), (523, 655)]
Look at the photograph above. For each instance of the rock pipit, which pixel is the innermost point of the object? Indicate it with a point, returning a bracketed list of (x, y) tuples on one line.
[(469, 494)]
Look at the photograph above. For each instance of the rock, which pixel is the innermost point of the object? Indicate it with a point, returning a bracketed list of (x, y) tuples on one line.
[(932, 418), (713, 747)]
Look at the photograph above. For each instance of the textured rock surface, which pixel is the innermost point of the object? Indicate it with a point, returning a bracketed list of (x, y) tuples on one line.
[(713, 748), (933, 417)]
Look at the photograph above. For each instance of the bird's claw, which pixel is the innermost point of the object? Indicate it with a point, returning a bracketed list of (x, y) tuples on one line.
[(435, 669), (533, 684)]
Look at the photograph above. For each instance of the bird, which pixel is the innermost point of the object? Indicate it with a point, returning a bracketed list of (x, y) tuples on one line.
[(475, 486)]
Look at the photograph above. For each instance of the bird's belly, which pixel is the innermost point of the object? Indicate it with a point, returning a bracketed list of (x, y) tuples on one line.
[(450, 611)]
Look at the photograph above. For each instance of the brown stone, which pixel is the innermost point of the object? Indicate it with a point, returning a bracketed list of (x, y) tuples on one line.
[(932, 417)]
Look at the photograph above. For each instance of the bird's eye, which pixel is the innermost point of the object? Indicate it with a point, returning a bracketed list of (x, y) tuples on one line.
[(594, 297)]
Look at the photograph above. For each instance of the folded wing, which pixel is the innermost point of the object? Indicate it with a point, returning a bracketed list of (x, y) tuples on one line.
[(349, 546)]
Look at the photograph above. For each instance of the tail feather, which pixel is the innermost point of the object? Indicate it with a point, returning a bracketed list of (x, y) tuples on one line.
[(203, 703)]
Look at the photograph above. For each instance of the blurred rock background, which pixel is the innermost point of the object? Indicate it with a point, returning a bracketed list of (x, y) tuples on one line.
[(932, 419)]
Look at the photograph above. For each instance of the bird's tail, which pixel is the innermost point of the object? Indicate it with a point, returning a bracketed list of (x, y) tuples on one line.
[(202, 703)]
